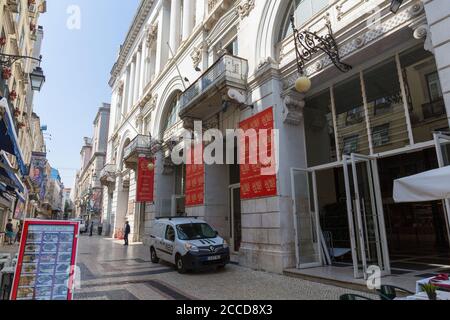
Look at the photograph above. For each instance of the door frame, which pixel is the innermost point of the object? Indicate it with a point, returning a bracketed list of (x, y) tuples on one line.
[(438, 136), (316, 215), (378, 212), (231, 189)]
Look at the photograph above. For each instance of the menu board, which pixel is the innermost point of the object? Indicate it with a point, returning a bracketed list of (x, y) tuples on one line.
[(47, 256)]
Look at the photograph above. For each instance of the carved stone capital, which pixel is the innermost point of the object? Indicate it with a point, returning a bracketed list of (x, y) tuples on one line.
[(245, 8), (293, 111), (188, 123)]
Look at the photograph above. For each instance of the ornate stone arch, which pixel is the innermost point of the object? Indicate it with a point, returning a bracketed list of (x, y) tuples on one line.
[(269, 28), (174, 86), (124, 141)]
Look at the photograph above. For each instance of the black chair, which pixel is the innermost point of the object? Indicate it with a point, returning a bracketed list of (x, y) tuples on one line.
[(353, 297), (388, 292)]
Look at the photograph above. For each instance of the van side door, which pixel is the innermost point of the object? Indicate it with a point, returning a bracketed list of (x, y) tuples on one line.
[(169, 243)]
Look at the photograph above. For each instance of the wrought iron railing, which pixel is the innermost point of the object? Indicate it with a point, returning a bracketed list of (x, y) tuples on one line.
[(140, 143), (227, 67)]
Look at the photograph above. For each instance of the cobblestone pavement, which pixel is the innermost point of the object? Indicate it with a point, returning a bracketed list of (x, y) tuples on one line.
[(110, 271)]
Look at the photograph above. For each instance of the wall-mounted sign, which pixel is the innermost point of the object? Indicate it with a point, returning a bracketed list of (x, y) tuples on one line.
[(195, 177), (255, 184), (46, 263), (145, 181)]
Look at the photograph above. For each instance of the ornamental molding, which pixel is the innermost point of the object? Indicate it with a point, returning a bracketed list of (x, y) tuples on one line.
[(245, 8), (293, 112), (353, 45), (152, 35)]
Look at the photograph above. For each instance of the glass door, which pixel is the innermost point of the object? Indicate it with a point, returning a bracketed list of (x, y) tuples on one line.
[(365, 214), (442, 141), (306, 219), (236, 218)]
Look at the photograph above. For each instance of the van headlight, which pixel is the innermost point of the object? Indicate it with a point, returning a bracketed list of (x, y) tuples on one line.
[(190, 247), (225, 244)]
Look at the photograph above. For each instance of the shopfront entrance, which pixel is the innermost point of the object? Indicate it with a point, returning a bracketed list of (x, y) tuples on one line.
[(343, 223), (345, 215)]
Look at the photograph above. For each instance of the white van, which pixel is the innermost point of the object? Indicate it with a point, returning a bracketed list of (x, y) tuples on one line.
[(188, 243)]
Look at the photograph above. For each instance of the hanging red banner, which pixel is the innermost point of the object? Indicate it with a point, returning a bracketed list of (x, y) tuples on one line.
[(258, 176), (195, 177), (145, 181)]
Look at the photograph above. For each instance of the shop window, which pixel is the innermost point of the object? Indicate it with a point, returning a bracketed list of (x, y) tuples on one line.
[(350, 145), (380, 135), (426, 106), (385, 106), (350, 116), (319, 130)]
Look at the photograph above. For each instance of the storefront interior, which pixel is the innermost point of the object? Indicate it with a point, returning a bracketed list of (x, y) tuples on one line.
[(369, 130)]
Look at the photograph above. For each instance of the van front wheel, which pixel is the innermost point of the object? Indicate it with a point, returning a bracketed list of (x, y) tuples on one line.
[(180, 265), (153, 255)]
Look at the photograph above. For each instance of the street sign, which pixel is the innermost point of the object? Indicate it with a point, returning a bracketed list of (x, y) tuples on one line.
[(46, 263)]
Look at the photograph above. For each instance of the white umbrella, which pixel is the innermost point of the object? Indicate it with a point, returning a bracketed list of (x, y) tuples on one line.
[(427, 186)]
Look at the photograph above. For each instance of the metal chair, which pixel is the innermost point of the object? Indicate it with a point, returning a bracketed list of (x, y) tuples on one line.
[(388, 292), (353, 297)]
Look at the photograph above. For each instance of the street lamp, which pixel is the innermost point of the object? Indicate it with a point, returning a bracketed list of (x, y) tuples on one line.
[(395, 5), (37, 77)]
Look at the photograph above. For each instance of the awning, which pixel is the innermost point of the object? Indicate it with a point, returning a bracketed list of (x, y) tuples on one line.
[(427, 186), (9, 177), (8, 137)]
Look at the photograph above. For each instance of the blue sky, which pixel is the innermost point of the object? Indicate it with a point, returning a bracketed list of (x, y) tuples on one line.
[(77, 63)]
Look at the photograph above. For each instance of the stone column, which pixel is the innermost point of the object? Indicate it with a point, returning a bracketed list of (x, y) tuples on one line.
[(175, 17), (143, 67), (188, 18), (137, 86), (126, 92), (162, 51), (131, 86), (200, 8)]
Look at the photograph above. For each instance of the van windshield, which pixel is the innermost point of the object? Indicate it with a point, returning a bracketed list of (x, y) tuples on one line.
[(195, 231)]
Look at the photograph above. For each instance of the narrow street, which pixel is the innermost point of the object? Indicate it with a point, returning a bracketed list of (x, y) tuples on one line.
[(110, 271)]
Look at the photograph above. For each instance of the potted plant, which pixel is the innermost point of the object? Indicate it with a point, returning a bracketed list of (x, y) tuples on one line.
[(6, 73), (430, 290), (13, 95)]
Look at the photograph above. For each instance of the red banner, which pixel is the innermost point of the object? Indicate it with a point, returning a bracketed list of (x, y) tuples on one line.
[(145, 181), (195, 178), (256, 180)]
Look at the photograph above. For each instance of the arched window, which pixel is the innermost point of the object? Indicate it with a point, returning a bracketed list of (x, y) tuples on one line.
[(174, 109), (303, 10)]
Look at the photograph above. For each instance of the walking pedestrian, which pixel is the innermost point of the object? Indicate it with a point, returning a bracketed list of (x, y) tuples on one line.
[(127, 232), (9, 232), (19, 232), (91, 229)]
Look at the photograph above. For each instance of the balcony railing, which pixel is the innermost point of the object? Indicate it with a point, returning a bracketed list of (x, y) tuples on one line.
[(433, 109), (139, 146), (227, 69)]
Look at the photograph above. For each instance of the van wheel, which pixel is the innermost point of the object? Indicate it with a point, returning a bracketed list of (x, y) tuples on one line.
[(154, 258), (180, 265)]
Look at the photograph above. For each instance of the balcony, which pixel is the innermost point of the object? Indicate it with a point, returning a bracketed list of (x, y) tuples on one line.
[(108, 174), (139, 147), (204, 97), (433, 109)]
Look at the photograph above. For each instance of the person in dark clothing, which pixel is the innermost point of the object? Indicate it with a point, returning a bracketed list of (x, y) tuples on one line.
[(127, 232), (91, 229), (9, 231)]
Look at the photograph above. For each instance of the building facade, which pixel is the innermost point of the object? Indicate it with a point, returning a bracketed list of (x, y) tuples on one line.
[(232, 64), (88, 190), (20, 35)]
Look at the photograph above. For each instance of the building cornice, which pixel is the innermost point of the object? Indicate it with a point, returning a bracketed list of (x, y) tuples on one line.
[(133, 33)]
